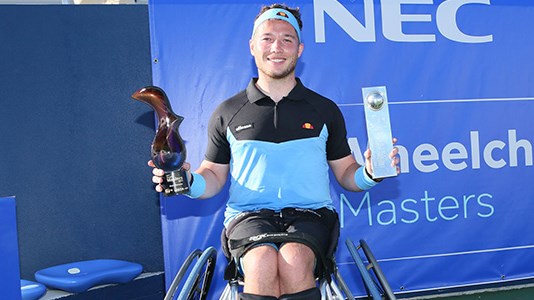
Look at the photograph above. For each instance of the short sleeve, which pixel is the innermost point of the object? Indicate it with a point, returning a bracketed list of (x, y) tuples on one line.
[(218, 148), (337, 145)]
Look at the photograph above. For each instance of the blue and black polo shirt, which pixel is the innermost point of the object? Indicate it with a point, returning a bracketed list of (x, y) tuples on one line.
[(277, 152)]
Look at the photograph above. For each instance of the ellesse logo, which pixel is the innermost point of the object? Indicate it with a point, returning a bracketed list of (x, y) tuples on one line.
[(243, 127), (307, 126), (282, 14)]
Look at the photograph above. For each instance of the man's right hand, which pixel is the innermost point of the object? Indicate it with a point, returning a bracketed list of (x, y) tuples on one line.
[(157, 177)]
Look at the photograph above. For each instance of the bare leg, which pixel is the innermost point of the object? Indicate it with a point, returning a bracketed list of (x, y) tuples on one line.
[(261, 271), (296, 264)]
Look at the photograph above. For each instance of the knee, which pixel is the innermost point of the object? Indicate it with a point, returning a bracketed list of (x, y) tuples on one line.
[(296, 260), (260, 260), (261, 271)]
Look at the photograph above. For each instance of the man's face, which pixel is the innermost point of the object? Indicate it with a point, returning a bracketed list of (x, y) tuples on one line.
[(276, 48)]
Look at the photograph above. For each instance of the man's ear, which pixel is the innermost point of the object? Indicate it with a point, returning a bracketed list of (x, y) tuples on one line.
[(301, 49), (251, 46)]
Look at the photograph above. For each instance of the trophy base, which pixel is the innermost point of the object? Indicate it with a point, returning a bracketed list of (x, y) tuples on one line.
[(175, 183)]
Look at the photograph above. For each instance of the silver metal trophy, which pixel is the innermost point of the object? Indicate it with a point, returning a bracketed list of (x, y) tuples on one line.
[(375, 101)]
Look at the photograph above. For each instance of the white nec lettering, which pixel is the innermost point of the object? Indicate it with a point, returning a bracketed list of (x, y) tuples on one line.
[(392, 20)]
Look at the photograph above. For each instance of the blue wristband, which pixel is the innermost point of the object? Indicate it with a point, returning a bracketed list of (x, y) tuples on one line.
[(363, 181), (198, 187)]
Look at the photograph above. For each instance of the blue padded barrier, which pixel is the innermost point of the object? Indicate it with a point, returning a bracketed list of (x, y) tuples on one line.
[(80, 276), (31, 290), (9, 250)]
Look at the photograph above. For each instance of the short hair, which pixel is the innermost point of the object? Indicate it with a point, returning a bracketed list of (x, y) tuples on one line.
[(294, 11)]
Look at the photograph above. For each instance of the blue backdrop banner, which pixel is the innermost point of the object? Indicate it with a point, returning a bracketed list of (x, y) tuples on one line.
[(459, 77)]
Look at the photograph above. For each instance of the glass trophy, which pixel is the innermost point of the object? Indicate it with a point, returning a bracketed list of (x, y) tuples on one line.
[(168, 149), (378, 125)]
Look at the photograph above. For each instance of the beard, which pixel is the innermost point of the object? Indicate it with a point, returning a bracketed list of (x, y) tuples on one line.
[(277, 74)]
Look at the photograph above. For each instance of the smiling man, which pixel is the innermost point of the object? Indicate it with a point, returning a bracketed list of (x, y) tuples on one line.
[(277, 140)]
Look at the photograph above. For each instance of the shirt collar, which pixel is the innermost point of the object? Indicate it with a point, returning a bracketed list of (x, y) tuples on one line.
[(254, 94)]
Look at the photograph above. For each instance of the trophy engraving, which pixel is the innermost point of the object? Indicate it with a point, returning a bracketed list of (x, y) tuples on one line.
[(168, 149), (378, 131)]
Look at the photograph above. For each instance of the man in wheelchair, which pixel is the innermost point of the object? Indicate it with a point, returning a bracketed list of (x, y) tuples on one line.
[(277, 140)]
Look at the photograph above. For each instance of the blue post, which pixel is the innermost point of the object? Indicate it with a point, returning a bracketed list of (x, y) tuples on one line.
[(9, 250)]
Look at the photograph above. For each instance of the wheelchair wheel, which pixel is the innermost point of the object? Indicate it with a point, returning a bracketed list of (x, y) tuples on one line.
[(373, 264), (183, 269), (370, 285), (198, 283)]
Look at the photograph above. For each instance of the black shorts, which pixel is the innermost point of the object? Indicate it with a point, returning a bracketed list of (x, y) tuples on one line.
[(320, 227)]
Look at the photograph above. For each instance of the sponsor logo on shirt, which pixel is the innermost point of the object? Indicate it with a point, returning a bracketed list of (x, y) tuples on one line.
[(243, 127)]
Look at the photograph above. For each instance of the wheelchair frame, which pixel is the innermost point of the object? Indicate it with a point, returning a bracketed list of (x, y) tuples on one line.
[(374, 289), (197, 284)]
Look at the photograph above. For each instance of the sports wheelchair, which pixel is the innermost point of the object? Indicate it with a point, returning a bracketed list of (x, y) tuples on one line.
[(331, 284)]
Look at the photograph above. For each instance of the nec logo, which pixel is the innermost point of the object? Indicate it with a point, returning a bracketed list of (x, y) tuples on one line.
[(392, 20)]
